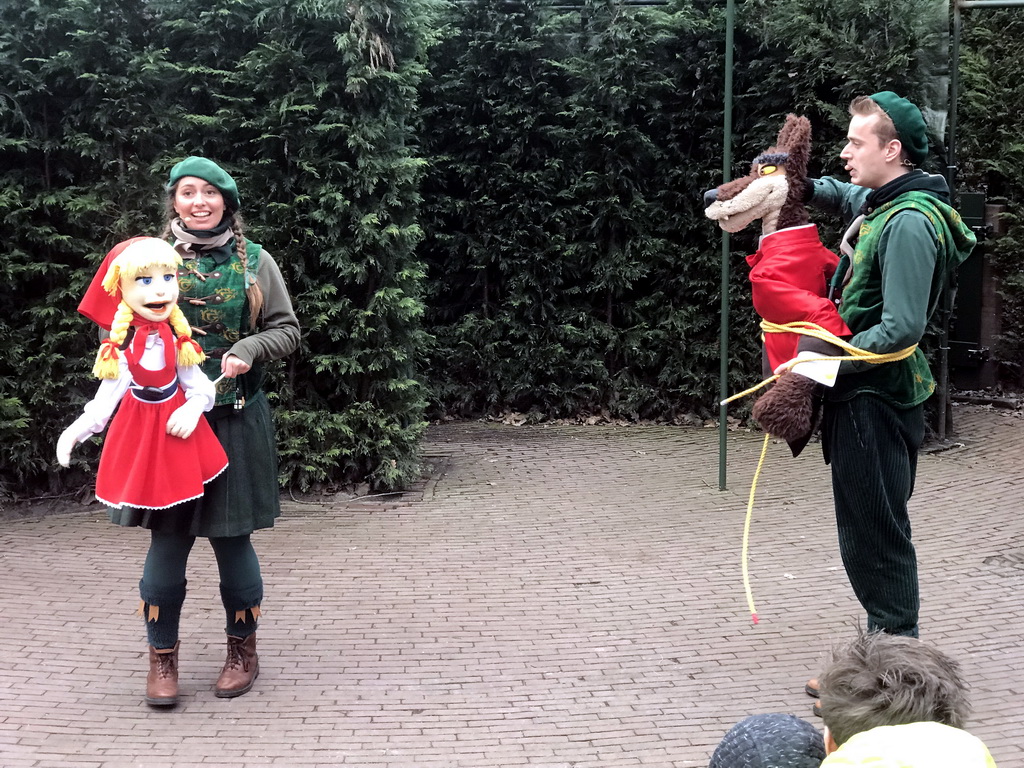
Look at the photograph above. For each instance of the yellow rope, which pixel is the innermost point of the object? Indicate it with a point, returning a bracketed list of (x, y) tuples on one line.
[(750, 391), (816, 331), (746, 530), (853, 353)]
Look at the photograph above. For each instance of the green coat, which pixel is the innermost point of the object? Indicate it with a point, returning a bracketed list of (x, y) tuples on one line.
[(246, 496), (910, 241)]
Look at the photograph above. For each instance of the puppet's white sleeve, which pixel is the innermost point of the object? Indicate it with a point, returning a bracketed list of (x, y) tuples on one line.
[(197, 386), (97, 412), (813, 365)]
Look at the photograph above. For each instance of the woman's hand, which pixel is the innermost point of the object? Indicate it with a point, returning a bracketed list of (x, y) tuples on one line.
[(232, 366)]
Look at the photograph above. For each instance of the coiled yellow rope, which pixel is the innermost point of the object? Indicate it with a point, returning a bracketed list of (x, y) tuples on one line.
[(816, 331), (853, 353)]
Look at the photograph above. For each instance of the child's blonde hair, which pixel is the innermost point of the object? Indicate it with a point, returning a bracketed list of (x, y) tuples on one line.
[(138, 257)]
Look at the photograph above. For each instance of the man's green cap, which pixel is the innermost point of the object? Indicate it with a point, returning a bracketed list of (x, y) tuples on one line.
[(909, 124), (207, 170)]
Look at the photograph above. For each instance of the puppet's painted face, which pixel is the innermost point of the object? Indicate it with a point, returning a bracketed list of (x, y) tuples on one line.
[(152, 294), (742, 201)]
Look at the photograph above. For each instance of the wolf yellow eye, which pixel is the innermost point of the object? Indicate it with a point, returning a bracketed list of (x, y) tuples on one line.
[(767, 170)]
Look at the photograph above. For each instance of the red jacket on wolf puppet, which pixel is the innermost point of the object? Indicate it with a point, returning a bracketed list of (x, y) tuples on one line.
[(789, 274)]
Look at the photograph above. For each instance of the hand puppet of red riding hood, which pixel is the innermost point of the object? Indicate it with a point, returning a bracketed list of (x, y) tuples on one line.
[(159, 450)]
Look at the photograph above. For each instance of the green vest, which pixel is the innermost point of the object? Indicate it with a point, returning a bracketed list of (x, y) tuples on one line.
[(907, 382), (222, 315)]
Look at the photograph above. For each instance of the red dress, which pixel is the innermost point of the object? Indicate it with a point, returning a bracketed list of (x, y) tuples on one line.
[(789, 282), (141, 465)]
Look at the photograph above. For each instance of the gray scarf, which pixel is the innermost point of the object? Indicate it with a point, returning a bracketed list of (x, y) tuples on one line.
[(188, 242)]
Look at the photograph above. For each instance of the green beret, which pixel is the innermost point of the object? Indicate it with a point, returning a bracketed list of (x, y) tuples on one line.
[(207, 170), (909, 124)]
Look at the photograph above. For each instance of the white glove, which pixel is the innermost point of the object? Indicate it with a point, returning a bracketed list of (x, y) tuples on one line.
[(80, 430), (813, 367), (183, 421)]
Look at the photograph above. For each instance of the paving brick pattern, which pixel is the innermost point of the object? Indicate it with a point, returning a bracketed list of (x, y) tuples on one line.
[(552, 596)]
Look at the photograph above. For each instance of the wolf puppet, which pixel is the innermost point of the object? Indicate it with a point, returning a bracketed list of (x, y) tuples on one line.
[(789, 274)]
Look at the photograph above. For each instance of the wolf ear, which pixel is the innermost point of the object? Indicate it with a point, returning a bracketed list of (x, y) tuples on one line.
[(795, 138), (784, 133), (796, 131)]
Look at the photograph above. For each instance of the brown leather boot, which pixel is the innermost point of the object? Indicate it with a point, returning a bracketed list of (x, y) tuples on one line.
[(162, 682), (241, 668), (811, 688)]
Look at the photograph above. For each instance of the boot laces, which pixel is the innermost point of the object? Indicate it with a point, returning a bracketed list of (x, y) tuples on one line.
[(236, 659), (165, 664)]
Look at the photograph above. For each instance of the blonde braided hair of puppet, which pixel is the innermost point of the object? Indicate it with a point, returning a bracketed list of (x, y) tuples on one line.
[(189, 353), (106, 366)]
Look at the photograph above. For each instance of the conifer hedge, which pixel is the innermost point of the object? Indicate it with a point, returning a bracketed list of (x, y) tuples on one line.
[(480, 206), (312, 106), (571, 270), (991, 151)]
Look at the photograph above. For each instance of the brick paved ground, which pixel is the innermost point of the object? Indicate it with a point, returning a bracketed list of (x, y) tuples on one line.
[(556, 596)]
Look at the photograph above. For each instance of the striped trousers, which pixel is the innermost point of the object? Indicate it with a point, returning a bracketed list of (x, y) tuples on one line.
[(872, 449)]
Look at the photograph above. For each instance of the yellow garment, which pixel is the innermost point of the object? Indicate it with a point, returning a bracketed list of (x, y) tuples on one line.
[(917, 745)]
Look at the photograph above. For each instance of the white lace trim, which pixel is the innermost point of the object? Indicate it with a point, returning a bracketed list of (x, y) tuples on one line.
[(121, 504)]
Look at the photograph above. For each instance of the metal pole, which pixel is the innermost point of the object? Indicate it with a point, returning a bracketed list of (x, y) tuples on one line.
[(723, 373), (989, 4), (942, 425), (954, 88), (947, 298)]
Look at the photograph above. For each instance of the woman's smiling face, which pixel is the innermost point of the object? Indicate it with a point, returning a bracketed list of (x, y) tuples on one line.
[(198, 203), (151, 294)]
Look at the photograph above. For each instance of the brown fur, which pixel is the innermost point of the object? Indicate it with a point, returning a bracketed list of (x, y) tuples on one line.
[(794, 139), (787, 409)]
